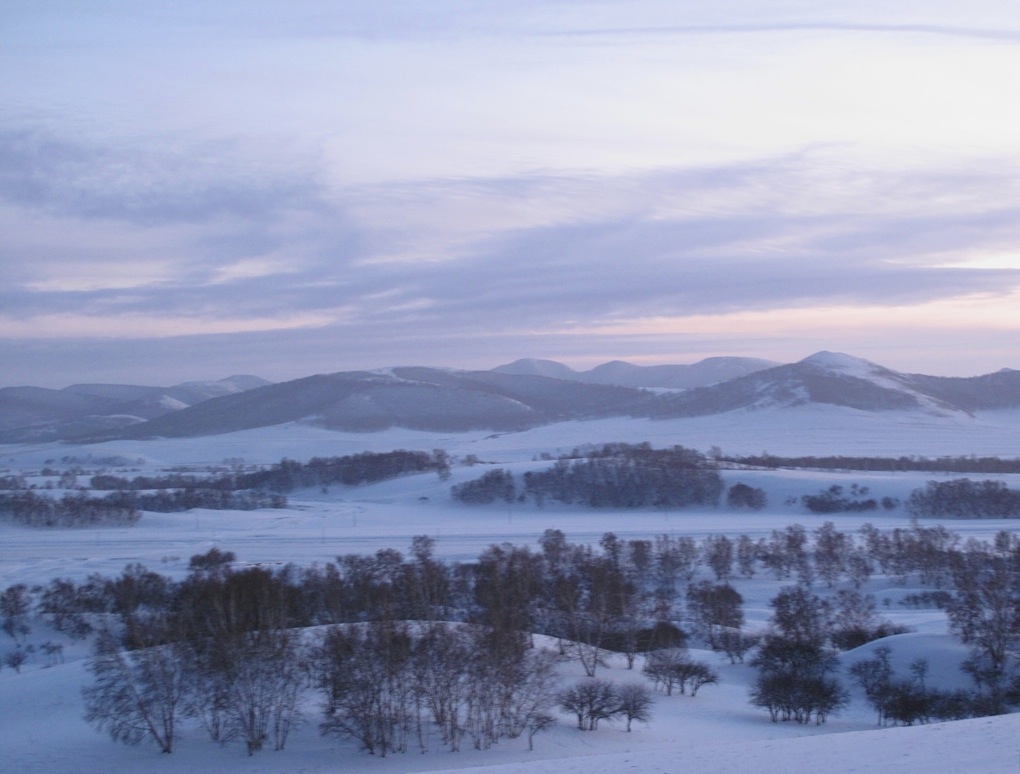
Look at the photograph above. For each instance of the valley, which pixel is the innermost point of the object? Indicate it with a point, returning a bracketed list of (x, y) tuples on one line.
[(317, 526)]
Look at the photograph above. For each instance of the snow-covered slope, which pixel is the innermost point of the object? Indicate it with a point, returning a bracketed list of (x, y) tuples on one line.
[(527, 393), (31, 414), (41, 709), (410, 397), (700, 374), (824, 378)]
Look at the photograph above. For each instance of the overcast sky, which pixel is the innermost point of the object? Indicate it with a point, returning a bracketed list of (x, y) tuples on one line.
[(194, 189)]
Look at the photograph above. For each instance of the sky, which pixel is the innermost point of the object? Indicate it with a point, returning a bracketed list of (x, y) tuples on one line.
[(191, 190)]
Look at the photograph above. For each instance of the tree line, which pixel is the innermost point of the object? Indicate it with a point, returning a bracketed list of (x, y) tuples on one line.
[(76, 509), (610, 476), (962, 498), (913, 463), (637, 476), (441, 653), (288, 475), (177, 492)]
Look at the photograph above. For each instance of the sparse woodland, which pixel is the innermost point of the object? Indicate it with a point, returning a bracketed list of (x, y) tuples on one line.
[(175, 492), (410, 653), (406, 652)]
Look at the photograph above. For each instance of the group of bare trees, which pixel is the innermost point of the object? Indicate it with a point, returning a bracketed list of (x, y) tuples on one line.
[(441, 650), (962, 498), (906, 701), (126, 498), (968, 464), (635, 476), (231, 648), (672, 669), (837, 500), (610, 476), (390, 687), (795, 668), (594, 700), (287, 475), (219, 646), (26, 507), (977, 584), (224, 644)]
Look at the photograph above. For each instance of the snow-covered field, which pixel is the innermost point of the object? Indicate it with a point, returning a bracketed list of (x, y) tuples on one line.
[(40, 709)]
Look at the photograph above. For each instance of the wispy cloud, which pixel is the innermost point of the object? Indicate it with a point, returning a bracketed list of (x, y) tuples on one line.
[(539, 252), (147, 183), (380, 183)]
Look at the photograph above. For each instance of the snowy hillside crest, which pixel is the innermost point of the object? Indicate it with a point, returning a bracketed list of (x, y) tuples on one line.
[(524, 394)]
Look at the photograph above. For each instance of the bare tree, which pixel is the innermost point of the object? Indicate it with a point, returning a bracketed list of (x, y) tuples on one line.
[(985, 613), (137, 694), (14, 606), (735, 644), (265, 673), (747, 556), (509, 685), (429, 581), (590, 700), (800, 615), (63, 606), (832, 549), (442, 667), (795, 680), (366, 678), (17, 658), (719, 554), (634, 703), (54, 653), (874, 676), (714, 610), (537, 723)]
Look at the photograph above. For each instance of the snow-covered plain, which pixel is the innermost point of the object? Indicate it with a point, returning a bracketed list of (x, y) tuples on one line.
[(40, 709)]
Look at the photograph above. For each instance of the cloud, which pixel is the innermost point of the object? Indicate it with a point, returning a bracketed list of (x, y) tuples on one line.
[(149, 183), (515, 254), (700, 30), (768, 254), (386, 182)]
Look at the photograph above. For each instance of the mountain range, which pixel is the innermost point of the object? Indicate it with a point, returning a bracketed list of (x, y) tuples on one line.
[(86, 410), (522, 394), (704, 372)]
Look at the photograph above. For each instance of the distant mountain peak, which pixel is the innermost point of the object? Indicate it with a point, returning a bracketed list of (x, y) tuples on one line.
[(889, 387), (526, 393), (842, 362), (530, 366), (231, 384), (624, 374), (614, 367)]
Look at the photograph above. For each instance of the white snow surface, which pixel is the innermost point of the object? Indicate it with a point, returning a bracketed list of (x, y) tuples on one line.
[(840, 361), (880, 376), (718, 731), (172, 403)]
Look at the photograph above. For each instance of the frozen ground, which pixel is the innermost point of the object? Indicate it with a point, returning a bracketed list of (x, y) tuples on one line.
[(40, 709)]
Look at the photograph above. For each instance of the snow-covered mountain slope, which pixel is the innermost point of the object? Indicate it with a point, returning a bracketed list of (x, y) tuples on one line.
[(416, 398), (518, 396), (826, 378), (31, 414), (704, 372)]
